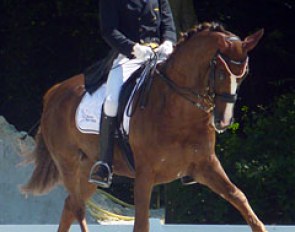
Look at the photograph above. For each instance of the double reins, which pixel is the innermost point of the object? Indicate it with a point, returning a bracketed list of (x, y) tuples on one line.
[(195, 98), (205, 102)]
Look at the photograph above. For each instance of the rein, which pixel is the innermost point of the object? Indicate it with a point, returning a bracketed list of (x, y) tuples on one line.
[(192, 96), (205, 102)]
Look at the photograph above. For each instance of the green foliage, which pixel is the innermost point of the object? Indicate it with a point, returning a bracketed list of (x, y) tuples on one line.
[(260, 158)]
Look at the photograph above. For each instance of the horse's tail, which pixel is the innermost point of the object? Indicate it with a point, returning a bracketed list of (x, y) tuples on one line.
[(45, 175)]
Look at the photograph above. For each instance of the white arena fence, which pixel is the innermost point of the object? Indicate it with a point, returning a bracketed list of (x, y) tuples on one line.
[(155, 226)]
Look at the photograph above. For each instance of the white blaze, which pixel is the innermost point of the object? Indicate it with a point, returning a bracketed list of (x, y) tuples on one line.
[(229, 108)]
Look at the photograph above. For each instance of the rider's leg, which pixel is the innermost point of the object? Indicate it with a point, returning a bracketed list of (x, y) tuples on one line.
[(101, 172)]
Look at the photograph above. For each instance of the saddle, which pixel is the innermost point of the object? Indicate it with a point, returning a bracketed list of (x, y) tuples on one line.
[(134, 93)]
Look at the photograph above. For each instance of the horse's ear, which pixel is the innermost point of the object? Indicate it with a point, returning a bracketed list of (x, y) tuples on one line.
[(251, 41)]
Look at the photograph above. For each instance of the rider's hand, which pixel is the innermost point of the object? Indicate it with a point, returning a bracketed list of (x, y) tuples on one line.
[(165, 49), (142, 52)]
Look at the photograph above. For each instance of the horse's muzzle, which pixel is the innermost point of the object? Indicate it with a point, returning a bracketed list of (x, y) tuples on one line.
[(221, 125)]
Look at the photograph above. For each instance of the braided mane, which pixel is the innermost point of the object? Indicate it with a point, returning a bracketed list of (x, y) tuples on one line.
[(206, 26)]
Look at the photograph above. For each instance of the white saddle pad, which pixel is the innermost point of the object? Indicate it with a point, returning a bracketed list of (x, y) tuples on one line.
[(89, 110), (88, 113)]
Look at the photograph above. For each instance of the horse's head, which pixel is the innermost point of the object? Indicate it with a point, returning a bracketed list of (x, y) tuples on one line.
[(228, 68), (207, 68)]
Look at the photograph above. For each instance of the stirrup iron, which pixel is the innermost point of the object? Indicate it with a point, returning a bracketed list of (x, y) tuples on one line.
[(105, 182)]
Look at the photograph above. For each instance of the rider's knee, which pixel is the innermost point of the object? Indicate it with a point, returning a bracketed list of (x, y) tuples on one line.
[(111, 106)]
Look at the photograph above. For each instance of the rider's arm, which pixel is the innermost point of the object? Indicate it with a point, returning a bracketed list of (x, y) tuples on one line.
[(168, 31), (109, 23)]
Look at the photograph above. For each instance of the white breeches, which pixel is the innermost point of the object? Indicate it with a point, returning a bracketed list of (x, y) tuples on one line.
[(122, 69)]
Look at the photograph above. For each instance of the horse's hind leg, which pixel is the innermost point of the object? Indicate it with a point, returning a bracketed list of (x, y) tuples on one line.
[(72, 210), (213, 176), (76, 183)]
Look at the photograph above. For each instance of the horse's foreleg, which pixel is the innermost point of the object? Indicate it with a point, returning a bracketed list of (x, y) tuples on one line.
[(216, 179), (142, 195)]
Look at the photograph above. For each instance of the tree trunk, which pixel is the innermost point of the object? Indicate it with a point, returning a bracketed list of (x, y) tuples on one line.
[(184, 14)]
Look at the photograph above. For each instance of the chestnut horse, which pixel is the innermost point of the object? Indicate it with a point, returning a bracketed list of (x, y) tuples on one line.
[(192, 95)]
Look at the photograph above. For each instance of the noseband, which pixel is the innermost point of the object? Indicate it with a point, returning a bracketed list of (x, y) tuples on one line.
[(205, 102), (229, 98)]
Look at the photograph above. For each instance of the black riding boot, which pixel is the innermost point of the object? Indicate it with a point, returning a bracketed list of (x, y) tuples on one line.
[(101, 172)]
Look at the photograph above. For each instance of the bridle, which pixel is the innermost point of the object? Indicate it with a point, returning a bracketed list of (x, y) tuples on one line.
[(205, 102), (229, 98)]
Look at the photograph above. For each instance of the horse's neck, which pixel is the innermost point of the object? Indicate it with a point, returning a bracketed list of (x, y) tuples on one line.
[(186, 70), (169, 104), (190, 68), (185, 74)]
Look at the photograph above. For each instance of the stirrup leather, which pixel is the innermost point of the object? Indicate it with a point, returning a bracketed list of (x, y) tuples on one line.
[(104, 182)]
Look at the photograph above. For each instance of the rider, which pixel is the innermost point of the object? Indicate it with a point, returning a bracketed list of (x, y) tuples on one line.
[(136, 29)]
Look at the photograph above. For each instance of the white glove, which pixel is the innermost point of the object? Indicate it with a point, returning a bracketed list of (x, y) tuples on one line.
[(142, 52), (165, 49)]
